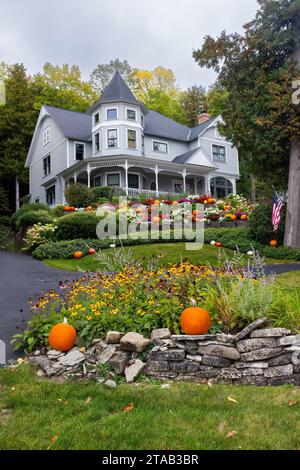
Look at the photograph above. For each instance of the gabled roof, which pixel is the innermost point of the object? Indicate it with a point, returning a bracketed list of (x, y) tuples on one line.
[(74, 125), (161, 126), (185, 156), (196, 131), (116, 90)]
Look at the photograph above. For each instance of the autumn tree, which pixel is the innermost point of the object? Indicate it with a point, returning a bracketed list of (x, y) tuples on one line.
[(257, 69), (103, 73), (63, 87)]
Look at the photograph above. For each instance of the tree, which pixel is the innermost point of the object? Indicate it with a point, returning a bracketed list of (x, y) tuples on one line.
[(193, 101), (17, 121), (103, 73), (63, 87), (256, 69)]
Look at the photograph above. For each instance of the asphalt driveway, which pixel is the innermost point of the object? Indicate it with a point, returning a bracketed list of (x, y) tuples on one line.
[(21, 277)]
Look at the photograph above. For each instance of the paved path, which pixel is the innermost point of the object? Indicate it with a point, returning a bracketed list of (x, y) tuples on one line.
[(21, 276)]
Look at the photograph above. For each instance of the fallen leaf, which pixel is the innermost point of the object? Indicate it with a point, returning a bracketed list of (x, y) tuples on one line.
[(293, 402), (233, 400), (128, 408), (82, 350), (88, 400), (231, 433), (54, 438)]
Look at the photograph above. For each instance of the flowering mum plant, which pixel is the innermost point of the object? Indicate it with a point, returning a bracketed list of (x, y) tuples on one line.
[(39, 234)]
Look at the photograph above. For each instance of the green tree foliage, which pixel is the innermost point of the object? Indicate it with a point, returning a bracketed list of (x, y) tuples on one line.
[(194, 103), (256, 70), (103, 73), (17, 121), (63, 87)]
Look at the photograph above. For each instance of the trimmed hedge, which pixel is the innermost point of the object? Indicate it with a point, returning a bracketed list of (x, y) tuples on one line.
[(30, 218), (33, 207), (77, 225), (260, 225)]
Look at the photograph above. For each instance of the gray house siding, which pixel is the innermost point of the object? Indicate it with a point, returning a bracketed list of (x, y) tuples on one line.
[(208, 139), (174, 148)]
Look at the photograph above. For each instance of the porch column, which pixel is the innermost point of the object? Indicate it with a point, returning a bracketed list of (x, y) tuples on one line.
[(233, 182), (75, 177), (63, 188), (88, 169), (126, 177), (206, 185), (195, 185), (184, 182), (156, 180)]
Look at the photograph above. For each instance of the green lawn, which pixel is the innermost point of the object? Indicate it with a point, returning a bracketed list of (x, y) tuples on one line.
[(289, 280), (169, 252), (39, 414)]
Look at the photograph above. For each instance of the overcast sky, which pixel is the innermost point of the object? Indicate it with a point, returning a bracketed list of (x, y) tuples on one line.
[(145, 32)]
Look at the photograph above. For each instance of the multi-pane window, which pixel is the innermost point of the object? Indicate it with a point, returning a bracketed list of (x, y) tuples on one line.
[(112, 113), (133, 181), (219, 153), (112, 138), (131, 114), (79, 151), (161, 147), (96, 118), (131, 139), (97, 142), (46, 136), (220, 187), (47, 165), (50, 195), (113, 179)]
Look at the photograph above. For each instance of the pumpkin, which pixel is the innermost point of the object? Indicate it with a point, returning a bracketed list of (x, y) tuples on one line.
[(218, 244), (88, 208), (62, 336), (273, 243), (156, 202), (233, 217), (91, 251), (66, 208), (226, 207), (212, 243), (196, 213), (211, 200), (77, 254), (244, 217), (195, 320), (205, 201)]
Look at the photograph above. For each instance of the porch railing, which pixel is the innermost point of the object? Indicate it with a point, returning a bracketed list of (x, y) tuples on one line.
[(137, 192)]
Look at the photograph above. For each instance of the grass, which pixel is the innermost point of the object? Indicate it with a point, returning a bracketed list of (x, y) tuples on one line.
[(169, 253), (289, 280), (39, 414)]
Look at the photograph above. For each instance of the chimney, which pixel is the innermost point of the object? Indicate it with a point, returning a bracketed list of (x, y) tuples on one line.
[(203, 117)]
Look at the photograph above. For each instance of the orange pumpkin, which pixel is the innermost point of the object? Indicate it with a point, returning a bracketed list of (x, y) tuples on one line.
[(72, 209), (195, 320), (196, 213), (77, 254), (66, 208), (62, 336), (205, 202), (218, 244), (156, 202), (88, 208), (233, 217), (211, 200), (273, 243), (226, 207), (92, 251), (244, 217)]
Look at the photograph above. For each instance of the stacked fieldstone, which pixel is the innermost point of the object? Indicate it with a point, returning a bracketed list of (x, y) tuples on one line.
[(256, 355), (269, 356)]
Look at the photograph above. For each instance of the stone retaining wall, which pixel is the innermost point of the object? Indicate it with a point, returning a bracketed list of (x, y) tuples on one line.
[(254, 356)]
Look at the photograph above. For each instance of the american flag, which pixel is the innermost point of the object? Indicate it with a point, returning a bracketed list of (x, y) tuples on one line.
[(276, 214)]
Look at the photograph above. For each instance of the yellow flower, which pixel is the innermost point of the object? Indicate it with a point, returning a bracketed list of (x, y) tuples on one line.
[(89, 318)]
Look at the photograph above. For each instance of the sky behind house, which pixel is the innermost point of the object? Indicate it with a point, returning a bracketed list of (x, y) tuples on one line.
[(145, 32)]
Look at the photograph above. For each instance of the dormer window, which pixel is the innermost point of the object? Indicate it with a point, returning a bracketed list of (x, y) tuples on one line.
[(46, 136), (131, 114), (96, 118), (112, 113)]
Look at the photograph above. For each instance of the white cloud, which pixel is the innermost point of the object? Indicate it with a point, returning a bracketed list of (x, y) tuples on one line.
[(147, 34)]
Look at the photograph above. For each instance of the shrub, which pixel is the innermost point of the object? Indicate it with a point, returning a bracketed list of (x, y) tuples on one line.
[(39, 234), (79, 195), (102, 192), (65, 249), (36, 206), (58, 211), (77, 225), (30, 218), (260, 225)]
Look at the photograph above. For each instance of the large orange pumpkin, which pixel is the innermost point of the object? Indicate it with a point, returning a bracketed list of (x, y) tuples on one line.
[(66, 208), (273, 243), (244, 217), (62, 336), (195, 320), (211, 200), (77, 254), (233, 217)]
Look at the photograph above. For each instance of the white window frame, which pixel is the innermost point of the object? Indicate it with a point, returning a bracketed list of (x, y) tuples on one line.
[(135, 111), (212, 153), (81, 143), (112, 129), (110, 108), (100, 176), (94, 142), (113, 173), (46, 136), (136, 139), (139, 178), (49, 172), (96, 123), (160, 142)]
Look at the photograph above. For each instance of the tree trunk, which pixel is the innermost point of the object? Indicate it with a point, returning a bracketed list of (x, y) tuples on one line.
[(292, 223), (17, 194), (253, 187)]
